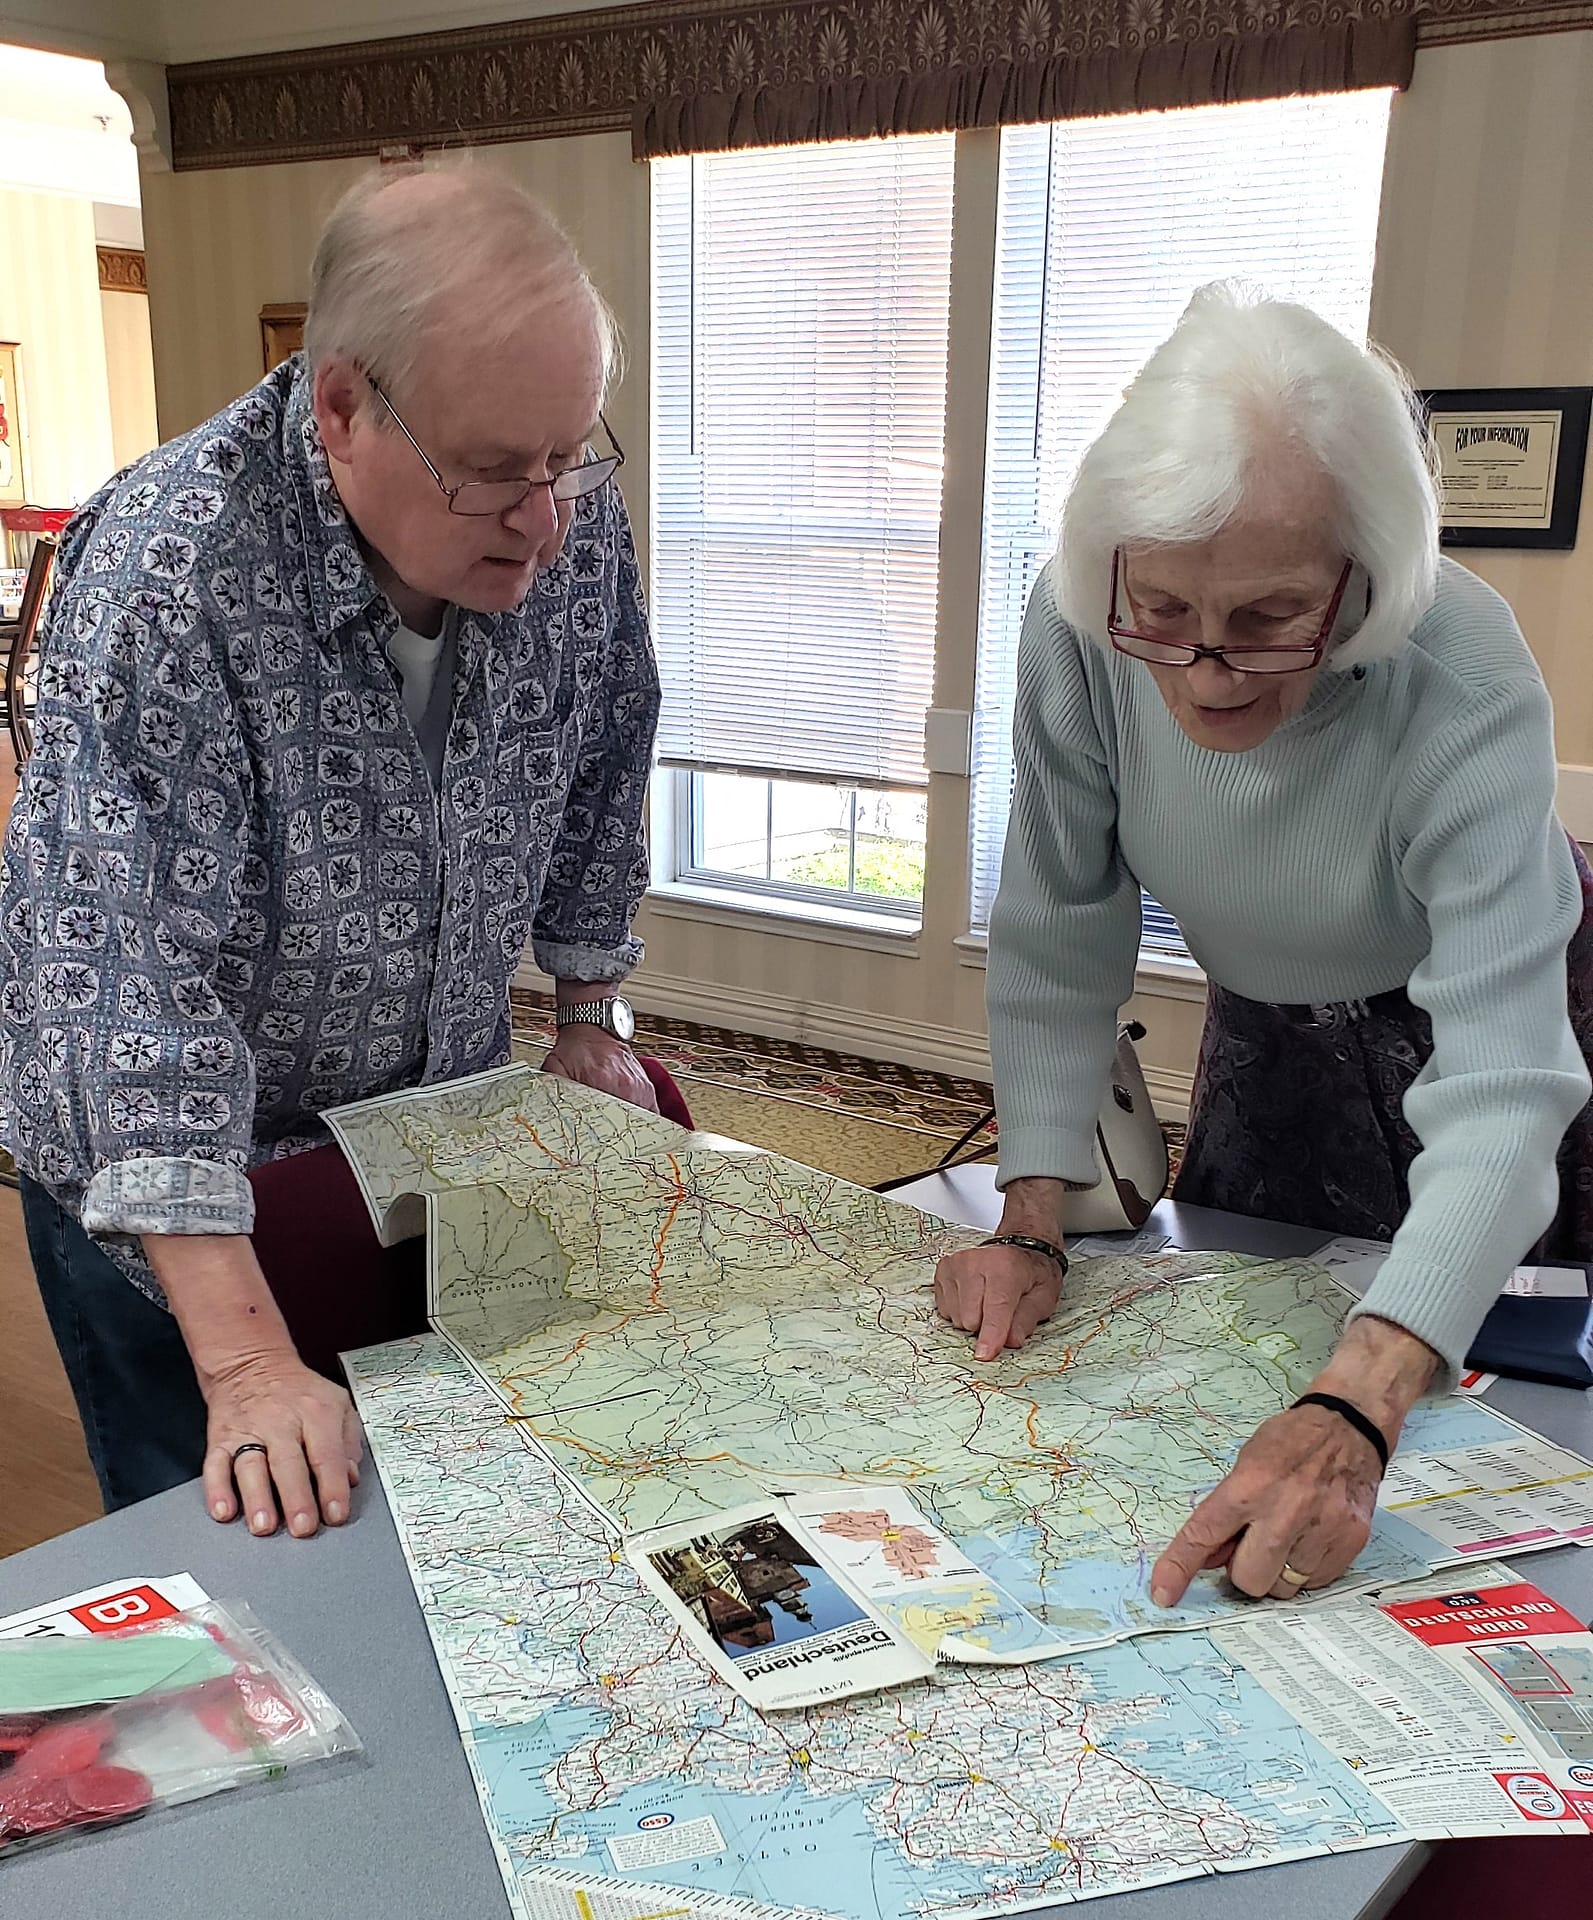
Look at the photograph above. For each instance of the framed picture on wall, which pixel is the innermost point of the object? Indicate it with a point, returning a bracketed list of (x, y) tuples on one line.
[(281, 331), (13, 458), (1510, 462)]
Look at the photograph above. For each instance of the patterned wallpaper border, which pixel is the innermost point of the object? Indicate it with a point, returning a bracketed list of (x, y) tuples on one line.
[(122, 270), (676, 72)]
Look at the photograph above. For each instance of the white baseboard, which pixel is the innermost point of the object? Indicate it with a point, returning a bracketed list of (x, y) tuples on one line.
[(818, 1023), (1170, 1091)]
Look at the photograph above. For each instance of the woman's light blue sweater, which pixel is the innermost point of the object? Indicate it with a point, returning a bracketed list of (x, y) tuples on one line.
[(1399, 831)]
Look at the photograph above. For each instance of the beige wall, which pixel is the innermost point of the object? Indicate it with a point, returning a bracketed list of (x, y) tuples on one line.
[(223, 244), (130, 374), (1485, 278), (50, 303), (1485, 274)]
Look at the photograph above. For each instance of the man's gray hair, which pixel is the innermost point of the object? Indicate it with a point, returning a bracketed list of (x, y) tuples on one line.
[(1239, 381), (398, 249)]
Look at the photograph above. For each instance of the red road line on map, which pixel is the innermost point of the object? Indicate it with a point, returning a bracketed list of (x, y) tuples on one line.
[(521, 1121), (656, 1295)]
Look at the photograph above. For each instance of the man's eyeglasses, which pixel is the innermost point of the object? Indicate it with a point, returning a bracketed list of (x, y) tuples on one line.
[(1165, 649), (488, 498)]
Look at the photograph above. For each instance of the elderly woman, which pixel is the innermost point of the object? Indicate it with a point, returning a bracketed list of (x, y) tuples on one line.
[(1249, 684)]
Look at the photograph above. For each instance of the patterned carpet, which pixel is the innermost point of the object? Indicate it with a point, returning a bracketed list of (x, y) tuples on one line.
[(866, 1120)]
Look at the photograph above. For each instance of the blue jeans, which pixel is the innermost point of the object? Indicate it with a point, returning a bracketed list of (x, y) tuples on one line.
[(137, 1395)]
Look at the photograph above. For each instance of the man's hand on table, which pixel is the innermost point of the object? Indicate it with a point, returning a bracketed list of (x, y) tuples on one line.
[(1001, 1294), (1303, 1490), (312, 1441), (597, 1059), (283, 1443)]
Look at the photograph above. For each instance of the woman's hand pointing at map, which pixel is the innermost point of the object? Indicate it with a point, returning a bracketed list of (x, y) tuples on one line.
[(1296, 1507), (1000, 1294)]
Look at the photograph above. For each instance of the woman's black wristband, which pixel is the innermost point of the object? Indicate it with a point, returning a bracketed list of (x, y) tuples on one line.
[(1346, 1410), (1030, 1244)]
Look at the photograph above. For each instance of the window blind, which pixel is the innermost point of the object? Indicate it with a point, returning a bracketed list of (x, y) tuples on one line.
[(1104, 230), (800, 311)]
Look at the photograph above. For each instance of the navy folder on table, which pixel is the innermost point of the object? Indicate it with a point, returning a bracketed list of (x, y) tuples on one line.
[(1528, 1337)]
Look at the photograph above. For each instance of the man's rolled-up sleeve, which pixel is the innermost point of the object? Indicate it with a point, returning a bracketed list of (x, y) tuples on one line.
[(125, 1080), (598, 870)]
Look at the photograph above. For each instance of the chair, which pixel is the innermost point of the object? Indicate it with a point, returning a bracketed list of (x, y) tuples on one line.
[(34, 593)]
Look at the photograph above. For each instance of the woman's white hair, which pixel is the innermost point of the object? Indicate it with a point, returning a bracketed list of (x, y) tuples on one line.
[(399, 251), (1239, 381)]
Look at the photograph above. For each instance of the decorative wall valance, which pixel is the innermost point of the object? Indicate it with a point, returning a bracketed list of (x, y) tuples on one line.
[(687, 76), (122, 270)]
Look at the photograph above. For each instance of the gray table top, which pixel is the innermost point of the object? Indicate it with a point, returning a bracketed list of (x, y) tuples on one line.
[(400, 1836)]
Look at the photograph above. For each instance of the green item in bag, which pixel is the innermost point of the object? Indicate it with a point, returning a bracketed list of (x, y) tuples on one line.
[(43, 1673)]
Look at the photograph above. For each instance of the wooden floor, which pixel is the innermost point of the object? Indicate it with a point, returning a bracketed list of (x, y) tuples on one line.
[(46, 1484)]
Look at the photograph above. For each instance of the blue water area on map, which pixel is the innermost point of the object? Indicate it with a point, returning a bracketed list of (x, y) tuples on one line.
[(1083, 1595), (783, 1844), (1190, 1747), (1436, 1426), (1087, 1595)]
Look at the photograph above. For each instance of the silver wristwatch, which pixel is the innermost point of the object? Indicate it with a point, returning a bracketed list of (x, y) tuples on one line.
[(613, 1016)]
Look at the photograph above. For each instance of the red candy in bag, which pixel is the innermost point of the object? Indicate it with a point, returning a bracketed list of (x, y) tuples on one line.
[(55, 1780), (105, 1793), (61, 1747), (79, 1768)]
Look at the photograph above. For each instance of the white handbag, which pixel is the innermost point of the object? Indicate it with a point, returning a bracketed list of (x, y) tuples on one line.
[(1130, 1149)]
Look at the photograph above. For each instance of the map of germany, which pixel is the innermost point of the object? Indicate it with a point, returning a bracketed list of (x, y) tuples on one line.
[(634, 1330), (684, 1331), (584, 1715), (909, 1550)]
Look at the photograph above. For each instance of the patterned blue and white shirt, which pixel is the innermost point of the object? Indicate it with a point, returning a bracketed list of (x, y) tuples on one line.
[(231, 896)]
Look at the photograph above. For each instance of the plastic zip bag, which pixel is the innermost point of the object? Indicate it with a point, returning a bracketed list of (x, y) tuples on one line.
[(83, 1767)]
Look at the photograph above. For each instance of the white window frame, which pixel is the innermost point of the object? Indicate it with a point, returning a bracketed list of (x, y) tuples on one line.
[(796, 893)]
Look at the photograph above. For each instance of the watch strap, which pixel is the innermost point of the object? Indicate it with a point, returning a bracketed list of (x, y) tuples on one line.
[(1347, 1411), (586, 1013), (1030, 1243)]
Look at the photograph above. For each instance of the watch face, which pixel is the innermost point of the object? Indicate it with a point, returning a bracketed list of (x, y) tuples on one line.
[(622, 1022)]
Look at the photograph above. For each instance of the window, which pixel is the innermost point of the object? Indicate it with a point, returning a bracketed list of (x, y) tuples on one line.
[(800, 311), (1105, 228), (857, 846)]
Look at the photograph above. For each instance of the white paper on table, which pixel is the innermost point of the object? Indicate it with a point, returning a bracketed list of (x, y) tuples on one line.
[(1475, 1382), (1353, 1263), (1517, 1496), (1548, 1283), (1119, 1246), (1441, 1745), (110, 1606)]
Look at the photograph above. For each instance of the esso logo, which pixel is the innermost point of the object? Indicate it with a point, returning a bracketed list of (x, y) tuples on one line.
[(651, 1822), (1536, 1795), (1580, 1775)]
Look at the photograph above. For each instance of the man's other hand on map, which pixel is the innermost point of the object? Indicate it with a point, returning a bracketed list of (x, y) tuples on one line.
[(1297, 1506)]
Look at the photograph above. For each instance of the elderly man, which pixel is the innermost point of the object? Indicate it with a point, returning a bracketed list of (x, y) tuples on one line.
[(345, 694)]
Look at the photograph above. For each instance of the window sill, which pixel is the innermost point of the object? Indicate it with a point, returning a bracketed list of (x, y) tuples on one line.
[(800, 920), (1156, 974)]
